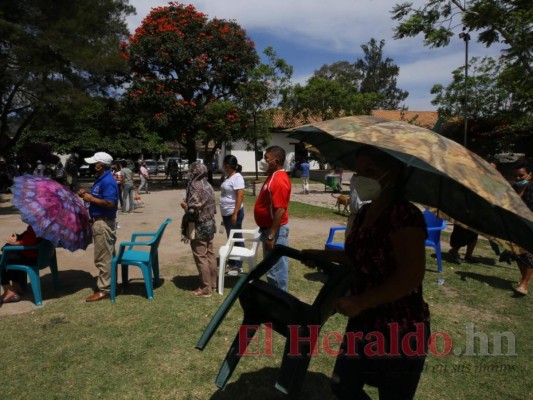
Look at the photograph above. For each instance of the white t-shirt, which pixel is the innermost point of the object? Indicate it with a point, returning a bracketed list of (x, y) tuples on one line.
[(228, 193)]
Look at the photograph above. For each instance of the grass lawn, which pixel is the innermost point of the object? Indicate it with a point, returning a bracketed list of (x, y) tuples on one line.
[(145, 349)]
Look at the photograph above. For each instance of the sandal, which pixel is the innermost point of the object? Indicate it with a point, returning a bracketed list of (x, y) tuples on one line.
[(202, 293), (520, 290), (12, 299)]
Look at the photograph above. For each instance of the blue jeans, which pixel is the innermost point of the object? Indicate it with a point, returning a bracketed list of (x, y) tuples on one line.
[(229, 226), (127, 194), (278, 275)]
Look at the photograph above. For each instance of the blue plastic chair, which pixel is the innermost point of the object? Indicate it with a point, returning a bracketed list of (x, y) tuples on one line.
[(435, 226), (46, 258), (330, 243), (146, 260)]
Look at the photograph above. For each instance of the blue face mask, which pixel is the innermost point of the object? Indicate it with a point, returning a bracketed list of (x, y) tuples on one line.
[(521, 183)]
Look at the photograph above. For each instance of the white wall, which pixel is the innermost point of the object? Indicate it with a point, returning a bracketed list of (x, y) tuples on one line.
[(246, 158)]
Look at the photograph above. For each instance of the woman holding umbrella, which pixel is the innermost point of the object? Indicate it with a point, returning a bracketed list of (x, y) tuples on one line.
[(386, 249)]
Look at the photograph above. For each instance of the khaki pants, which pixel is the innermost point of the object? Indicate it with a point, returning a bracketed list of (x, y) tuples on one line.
[(104, 238), (206, 262)]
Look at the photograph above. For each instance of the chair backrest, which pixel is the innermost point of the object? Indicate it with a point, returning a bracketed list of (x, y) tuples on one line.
[(159, 235), (434, 225), (330, 242), (251, 243)]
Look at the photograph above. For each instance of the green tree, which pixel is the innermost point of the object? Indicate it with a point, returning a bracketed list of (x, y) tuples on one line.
[(498, 115), (54, 56), (326, 99), (187, 71), (508, 22), (488, 95), (262, 91), (345, 88)]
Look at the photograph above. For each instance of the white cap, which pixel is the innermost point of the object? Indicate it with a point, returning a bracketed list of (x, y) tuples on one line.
[(102, 157)]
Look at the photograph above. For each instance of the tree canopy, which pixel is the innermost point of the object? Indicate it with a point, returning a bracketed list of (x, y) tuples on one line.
[(345, 88), (54, 58), (508, 22), (187, 72)]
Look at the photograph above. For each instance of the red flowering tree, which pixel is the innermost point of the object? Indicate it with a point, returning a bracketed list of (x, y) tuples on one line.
[(186, 71)]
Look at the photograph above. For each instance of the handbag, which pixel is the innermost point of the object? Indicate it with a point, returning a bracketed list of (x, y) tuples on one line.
[(188, 225), (137, 202)]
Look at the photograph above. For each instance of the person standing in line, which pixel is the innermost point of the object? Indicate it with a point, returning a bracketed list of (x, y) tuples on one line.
[(271, 212), (144, 176), (523, 185), (200, 207), (385, 249), (354, 205), (117, 174), (173, 172), (102, 202), (127, 187), (231, 205), (39, 169), (304, 166)]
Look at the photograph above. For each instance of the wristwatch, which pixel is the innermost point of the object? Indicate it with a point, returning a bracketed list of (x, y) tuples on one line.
[(270, 237)]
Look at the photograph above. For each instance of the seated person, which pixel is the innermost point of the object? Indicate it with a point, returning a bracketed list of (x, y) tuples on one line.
[(11, 280)]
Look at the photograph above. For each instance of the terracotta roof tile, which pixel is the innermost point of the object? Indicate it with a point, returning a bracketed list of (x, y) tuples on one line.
[(426, 119)]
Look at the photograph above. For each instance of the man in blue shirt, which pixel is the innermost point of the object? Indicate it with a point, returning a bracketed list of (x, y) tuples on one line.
[(304, 166), (102, 202)]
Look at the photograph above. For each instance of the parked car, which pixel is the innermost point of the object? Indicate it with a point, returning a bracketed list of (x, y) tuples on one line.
[(161, 166), (129, 163), (168, 161), (151, 166), (85, 170)]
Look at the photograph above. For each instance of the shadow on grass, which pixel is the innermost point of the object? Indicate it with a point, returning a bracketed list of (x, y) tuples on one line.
[(136, 287), (70, 282), (186, 282), (494, 281), (488, 261), (260, 385)]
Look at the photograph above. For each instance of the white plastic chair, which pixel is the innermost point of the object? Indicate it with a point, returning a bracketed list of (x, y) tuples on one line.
[(231, 252)]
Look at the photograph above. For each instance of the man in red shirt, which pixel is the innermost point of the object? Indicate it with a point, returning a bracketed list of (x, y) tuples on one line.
[(271, 212)]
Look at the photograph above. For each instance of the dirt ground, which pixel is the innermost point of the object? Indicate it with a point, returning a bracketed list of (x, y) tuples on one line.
[(77, 270)]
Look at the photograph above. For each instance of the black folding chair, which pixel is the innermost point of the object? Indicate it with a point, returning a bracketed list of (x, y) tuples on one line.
[(264, 303)]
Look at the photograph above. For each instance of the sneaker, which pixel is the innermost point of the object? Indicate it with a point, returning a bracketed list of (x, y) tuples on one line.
[(202, 293), (234, 271)]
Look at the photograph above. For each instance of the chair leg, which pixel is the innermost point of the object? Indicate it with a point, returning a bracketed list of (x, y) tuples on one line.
[(235, 352), (35, 282), (114, 273), (221, 271), (439, 257), (294, 367), (155, 269), (148, 283), (55, 273)]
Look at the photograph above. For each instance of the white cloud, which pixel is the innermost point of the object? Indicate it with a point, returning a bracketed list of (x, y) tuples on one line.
[(335, 30)]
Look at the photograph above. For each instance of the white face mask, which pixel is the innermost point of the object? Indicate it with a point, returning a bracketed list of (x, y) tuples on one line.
[(368, 188), (263, 166)]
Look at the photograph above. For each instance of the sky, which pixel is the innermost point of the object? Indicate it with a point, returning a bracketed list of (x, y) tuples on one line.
[(310, 33)]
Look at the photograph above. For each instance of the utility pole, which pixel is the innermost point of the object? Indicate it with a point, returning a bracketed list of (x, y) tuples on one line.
[(466, 37)]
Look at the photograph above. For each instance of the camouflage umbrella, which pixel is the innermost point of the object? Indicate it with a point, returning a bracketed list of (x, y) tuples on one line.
[(443, 174)]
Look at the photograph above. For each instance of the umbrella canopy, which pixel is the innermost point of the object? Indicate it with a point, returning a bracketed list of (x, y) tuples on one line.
[(53, 210), (442, 173)]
